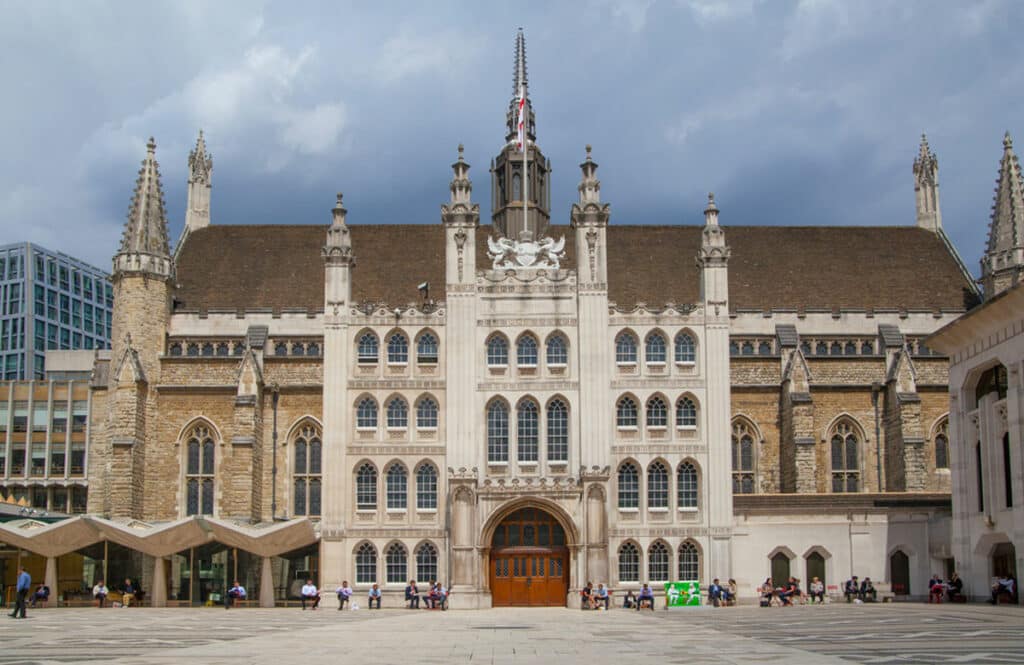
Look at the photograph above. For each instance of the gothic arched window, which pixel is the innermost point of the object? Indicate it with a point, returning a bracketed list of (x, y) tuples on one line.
[(306, 477), (528, 432), (426, 413), (689, 562), (558, 431), (366, 564), (657, 413), (625, 349), (367, 349), (497, 351), (497, 432), (426, 487), (686, 348), (657, 485), (395, 564), (629, 486), (517, 187), (526, 351), (398, 414), (426, 349), (942, 446), (558, 351), (366, 487), (657, 562), (742, 458), (397, 487), (366, 414), (845, 458), (625, 413), (199, 472), (629, 563), (426, 562), (398, 349), (686, 413), (655, 352), (686, 485)]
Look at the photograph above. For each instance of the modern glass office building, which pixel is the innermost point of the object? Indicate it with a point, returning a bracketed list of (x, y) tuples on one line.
[(48, 300)]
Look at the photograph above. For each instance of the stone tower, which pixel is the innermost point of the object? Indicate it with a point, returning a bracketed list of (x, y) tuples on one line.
[(507, 181), (1003, 263), (142, 276), (926, 188)]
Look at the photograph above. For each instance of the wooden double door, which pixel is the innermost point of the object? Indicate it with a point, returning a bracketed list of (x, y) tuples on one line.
[(529, 561)]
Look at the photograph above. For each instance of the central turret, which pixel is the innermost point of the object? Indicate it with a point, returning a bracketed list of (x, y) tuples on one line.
[(509, 183)]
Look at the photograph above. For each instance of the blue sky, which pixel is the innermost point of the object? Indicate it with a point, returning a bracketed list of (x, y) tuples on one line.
[(800, 112)]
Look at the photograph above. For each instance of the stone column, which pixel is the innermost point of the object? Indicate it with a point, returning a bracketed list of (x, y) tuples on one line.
[(266, 583), (158, 593), (50, 579)]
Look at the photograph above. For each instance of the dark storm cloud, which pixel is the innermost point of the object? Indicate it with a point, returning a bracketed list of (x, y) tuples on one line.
[(793, 113)]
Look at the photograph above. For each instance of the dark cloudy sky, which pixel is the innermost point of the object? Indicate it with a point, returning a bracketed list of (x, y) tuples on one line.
[(800, 112)]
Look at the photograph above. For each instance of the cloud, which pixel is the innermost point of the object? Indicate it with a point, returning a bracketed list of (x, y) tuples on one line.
[(707, 12)]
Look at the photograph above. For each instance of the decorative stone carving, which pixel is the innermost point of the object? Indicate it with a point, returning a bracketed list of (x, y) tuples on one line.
[(526, 253)]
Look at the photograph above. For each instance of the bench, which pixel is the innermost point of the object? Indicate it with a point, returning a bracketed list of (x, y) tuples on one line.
[(885, 592)]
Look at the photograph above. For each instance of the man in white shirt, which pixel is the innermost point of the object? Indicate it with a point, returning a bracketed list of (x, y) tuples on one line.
[(344, 593), (99, 592), (374, 595), (310, 593), (236, 592)]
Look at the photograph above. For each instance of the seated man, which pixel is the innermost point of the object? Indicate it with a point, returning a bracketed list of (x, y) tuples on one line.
[(955, 587), (127, 592), (601, 596), (235, 593), (733, 592), (585, 596), (629, 601), (442, 595), (344, 593), (99, 592), (787, 592), (851, 589), (867, 591), (716, 594), (373, 595), (1003, 585), (412, 595), (767, 591), (41, 595), (935, 589), (817, 590), (646, 596), (310, 593)]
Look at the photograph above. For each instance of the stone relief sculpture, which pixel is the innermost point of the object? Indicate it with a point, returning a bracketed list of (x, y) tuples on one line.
[(507, 253)]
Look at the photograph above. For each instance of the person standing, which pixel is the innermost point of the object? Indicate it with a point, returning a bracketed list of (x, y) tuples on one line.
[(310, 593), (344, 593), (24, 584)]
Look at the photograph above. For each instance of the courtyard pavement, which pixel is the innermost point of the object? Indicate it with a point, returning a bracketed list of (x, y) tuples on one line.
[(838, 633)]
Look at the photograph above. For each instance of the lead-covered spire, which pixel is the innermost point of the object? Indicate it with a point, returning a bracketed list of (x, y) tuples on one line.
[(145, 247), (520, 86), (1003, 265), (519, 71)]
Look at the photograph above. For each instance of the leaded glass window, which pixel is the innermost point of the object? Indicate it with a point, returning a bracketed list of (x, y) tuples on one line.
[(426, 562), (526, 351), (942, 446), (629, 486), (686, 485), (656, 349), (398, 349), (367, 349), (398, 414), (426, 414), (366, 414), (497, 351), (426, 349), (689, 562), (686, 413), (366, 487), (625, 413), (629, 563), (307, 479), (497, 432), (686, 348), (426, 487), (657, 485), (558, 352), (527, 432), (558, 431), (199, 472), (657, 562), (366, 564), (845, 458), (396, 563), (742, 458), (657, 413), (625, 349), (397, 489)]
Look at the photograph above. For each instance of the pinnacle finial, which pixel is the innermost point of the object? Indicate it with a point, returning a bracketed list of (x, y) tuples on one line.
[(462, 149), (1007, 141), (151, 145), (711, 201), (338, 204), (588, 152)]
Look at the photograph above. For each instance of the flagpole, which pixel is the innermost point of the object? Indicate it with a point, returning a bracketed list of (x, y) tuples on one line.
[(526, 174)]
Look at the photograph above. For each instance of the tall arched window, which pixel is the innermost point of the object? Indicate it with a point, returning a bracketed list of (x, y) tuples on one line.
[(397, 488), (366, 564), (366, 414), (655, 352), (657, 413), (845, 458), (426, 562), (199, 472), (625, 413), (426, 349), (426, 414), (497, 432), (426, 487), (497, 351), (629, 563), (686, 348), (526, 351), (742, 458), (398, 414), (398, 349), (657, 562), (942, 445), (527, 432), (686, 413), (517, 187), (625, 349), (395, 564), (657, 485), (366, 487), (686, 485), (629, 486), (558, 431), (307, 480), (367, 350), (689, 562), (558, 351)]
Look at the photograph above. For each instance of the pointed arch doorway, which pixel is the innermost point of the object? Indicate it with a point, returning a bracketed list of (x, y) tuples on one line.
[(529, 561)]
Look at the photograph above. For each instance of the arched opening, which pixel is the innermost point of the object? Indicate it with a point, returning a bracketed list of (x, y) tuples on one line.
[(1004, 560), (780, 568), (529, 564), (899, 572), (816, 567)]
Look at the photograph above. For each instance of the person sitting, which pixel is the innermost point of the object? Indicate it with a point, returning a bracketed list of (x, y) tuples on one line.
[(234, 594), (442, 595), (867, 591), (601, 596), (786, 592), (817, 590), (344, 594), (373, 595), (434, 595), (41, 595), (716, 594), (851, 589), (310, 593), (127, 593), (767, 591), (936, 589), (733, 590), (646, 596), (796, 593), (585, 594), (954, 588), (412, 595), (1004, 585), (99, 592), (629, 600)]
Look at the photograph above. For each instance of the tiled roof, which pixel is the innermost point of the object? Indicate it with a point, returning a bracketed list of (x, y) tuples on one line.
[(783, 267)]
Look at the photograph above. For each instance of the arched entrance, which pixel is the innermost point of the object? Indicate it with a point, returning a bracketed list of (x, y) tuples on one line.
[(529, 564)]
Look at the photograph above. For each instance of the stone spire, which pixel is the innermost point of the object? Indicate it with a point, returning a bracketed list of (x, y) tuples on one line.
[(339, 259), (519, 82), (926, 188), (460, 217), (589, 187), (145, 247), (461, 186), (713, 259), (200, 168), (1003, 264), (589, 219), (338, 249)]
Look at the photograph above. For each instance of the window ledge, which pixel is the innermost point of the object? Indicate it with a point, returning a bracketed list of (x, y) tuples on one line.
[(397, 429), (496, 367), (686, 363), (686, 428), (527, 365), (657, 510), (628, 510), (558, 462), (557, 365), (626, 428), (427, 511), (391, 364), (366, 363), (655, 363), (366, 429), (490, 463), (431, 430), (395, 511), (366, 511), (657, 428), (684, 509), (528, 463), (620, 363)]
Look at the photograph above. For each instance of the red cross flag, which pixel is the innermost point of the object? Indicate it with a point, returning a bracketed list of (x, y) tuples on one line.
[(521, 138)]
